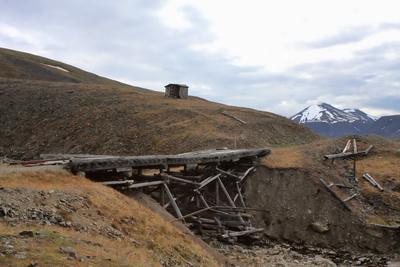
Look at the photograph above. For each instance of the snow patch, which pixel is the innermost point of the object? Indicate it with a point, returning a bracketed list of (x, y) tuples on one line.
[(56, 67)]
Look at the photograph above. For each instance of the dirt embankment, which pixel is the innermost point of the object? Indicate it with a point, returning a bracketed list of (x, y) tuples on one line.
[(303, 212)]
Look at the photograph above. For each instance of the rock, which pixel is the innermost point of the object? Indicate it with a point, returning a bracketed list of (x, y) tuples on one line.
[(41, 232), (20, 255), (28, 233), (273, 251), (72, 254), (33, 263), (374, 233), (319, 227)]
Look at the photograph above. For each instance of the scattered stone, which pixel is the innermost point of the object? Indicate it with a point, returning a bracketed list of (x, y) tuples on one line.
[(72, 254), (28, 233), (20, 255), (41, 232), (319, 227), (374, 233)]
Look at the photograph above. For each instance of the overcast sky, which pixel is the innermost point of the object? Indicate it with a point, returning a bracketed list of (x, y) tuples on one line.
[(277, 56)]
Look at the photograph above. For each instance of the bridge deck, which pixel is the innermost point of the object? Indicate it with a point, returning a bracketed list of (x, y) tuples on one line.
[(155, 161)]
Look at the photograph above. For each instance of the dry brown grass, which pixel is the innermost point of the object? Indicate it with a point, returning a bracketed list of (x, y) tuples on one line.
[(284, 157), (154, 235)]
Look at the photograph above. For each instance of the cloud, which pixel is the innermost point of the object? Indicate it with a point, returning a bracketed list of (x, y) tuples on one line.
[(345, 36)]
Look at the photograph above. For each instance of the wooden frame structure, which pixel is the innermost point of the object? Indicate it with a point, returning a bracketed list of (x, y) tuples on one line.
[(202, 189)]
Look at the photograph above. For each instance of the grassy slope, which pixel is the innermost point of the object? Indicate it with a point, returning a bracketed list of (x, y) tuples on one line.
[(154, 238), (19, 65)]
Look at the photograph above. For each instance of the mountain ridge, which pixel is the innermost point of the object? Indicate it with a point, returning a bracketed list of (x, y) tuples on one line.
[(329, 121)]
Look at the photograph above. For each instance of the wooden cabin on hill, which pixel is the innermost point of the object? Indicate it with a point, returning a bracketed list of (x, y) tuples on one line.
[(177, 90)]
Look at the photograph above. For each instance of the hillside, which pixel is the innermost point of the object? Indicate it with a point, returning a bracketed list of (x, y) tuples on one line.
[(19, 65), (91, 114), (387, 126)]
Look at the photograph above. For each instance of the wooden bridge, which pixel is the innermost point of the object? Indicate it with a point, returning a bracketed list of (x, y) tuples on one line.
[(203, 189)]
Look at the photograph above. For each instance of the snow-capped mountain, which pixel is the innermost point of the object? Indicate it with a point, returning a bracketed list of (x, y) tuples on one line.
[(329, 121)]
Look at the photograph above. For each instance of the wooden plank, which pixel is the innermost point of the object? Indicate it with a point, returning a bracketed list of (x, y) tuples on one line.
[(354, 146), (246, 173), (230, 115), (208, 180), (337, 147), (240, 195), (391, 227), (172, 200), (117, 182), (180, 180), (349, 198), (347, 147), (146, 184), (229, 174), (248, 232)]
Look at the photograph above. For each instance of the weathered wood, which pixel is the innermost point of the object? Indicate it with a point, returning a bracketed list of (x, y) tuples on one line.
[(240, 195), (337, 147), (146, 184), (340, 155), (172, 200), (229, 198), (372, 181), (354, 146), (334, 194), (246, 173), (164, 161), (391, 227), (229, 174), (377, 185), (349, 198), (230, 115), (248, 232), (343, 186), (117, 182), (346, 147), (180, 180), (208, 180)]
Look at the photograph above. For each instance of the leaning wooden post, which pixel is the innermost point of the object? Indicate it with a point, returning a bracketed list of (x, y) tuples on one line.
[(172, 200), (355, 156), (334, 194), (230, 201)]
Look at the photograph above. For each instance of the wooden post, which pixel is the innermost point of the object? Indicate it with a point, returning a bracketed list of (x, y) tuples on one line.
[(355, 156), (240, 195), (172, 200), (230, 200)]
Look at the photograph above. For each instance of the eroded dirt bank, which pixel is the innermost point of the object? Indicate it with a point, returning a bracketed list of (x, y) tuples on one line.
[(303, 212)]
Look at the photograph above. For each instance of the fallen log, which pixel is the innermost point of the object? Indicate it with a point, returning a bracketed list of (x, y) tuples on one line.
[(392, 227), (334, 194), (248, 232), (372, 181), (230, 115)]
